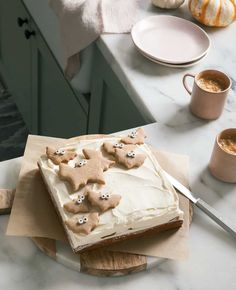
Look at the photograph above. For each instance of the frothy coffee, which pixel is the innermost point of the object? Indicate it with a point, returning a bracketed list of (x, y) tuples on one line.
[(228, 144), (210, 85)]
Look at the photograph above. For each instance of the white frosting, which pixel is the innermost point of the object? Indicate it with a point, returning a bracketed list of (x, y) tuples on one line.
[(148, 199)]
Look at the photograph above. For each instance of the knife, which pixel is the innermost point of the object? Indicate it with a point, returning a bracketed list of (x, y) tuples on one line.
[(206, 208)]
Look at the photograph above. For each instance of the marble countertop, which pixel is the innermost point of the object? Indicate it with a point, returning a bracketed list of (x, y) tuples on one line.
[(160, 96), (212, 261), (157, 90)]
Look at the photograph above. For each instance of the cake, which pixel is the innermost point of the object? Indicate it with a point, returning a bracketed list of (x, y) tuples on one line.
[(109, 189)]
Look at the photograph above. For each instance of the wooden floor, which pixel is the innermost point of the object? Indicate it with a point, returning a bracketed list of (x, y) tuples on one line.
[(13, 132)]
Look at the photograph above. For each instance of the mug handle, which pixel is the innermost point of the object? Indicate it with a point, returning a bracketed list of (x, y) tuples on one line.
[(185, 82)]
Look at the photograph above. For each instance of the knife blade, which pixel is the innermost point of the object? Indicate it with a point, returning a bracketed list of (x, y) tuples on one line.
[(205, 207)]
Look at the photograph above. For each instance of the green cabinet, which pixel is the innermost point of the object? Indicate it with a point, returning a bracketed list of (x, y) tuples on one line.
[(43, 95), (15, 54), (59, 112), (111, 108), (48, 103)]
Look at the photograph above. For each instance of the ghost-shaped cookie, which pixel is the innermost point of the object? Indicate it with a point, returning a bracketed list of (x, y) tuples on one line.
[(87, 170), (135, 137), (60, 155), (78, 205), (110, 148), (129, 158), (83, 223), (103, 201)]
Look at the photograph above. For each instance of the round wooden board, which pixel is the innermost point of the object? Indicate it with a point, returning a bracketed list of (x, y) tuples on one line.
[(96, 262)]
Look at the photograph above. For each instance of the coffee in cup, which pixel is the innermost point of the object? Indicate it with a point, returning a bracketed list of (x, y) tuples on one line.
[(211, 85), (210, 90), (223, 159), (228, 144)]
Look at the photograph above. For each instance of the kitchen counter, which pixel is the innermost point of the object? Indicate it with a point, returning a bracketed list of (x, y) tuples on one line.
[(157, 90), (160, 96), (212, 261)]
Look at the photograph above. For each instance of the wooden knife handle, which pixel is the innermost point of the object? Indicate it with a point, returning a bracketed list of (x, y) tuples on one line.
[(6, 200)]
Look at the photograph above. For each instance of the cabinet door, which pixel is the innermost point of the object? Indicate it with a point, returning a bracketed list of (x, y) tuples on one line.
[(57, 111), (15, 55), (111, 108)]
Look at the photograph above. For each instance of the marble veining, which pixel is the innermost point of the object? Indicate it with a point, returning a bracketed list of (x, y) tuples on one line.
[(160, 96), (157, 90), (211, 264)]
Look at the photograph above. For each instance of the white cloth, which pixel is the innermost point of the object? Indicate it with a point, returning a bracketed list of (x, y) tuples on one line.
[(83, 21)]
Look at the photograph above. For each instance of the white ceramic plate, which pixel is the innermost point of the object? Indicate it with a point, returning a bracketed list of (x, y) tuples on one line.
[(183, 65), (170, 39)]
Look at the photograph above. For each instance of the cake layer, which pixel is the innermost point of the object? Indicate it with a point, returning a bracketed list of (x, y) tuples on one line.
[(148, 200)]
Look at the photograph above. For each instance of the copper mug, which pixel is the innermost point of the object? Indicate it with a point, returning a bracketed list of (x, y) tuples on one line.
[(223, 163), (204, 103)]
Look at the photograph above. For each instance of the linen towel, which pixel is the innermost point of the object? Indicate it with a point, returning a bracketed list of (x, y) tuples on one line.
[(83, 21)]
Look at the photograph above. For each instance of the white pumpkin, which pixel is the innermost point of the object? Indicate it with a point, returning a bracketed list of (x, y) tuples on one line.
[(217, 13), (168, 4)]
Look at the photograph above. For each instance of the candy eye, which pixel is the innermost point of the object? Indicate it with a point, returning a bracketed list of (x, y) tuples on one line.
[(82, 197), (118, 145), (60, 152), (85, 219), (78, 201), (131, 154), (107, 196), (81, 221), (103, 196), (81, 163), (132, 134)]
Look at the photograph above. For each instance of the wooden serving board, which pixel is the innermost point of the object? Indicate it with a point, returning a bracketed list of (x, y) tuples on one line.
[(97, 262)]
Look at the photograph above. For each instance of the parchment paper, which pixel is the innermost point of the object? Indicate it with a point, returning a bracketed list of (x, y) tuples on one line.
[(33, 214)]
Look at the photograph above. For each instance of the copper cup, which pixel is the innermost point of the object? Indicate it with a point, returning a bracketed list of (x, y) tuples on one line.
[(207, 104), (223, 163)]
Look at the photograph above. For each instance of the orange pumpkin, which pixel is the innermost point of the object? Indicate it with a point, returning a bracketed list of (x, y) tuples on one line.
[(217, 13)]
